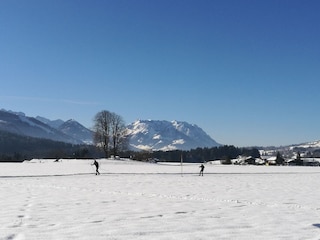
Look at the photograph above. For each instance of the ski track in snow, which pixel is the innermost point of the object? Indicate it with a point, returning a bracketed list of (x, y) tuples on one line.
[(157, 206)]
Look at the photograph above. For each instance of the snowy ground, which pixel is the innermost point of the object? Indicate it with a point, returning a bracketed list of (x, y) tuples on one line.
[(130, 200)]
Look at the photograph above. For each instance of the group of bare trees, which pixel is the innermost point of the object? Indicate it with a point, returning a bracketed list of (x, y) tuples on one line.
[(110, 132)]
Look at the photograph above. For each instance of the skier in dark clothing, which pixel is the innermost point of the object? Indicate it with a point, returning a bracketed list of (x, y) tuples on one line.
[(96, 164), (201, 170)]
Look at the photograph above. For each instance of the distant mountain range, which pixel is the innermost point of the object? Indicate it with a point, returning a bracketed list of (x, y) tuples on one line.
[(142, 134), (71, 128), (39, 127)]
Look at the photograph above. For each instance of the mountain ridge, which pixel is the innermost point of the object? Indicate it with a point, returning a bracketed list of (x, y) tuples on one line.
[(76, 130), (19, 123), (164, 135)]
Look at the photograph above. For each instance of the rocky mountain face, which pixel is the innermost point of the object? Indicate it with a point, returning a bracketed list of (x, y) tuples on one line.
[(165, 136)]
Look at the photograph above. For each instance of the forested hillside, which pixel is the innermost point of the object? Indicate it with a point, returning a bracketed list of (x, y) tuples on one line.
[(226, 153), (15, 147)]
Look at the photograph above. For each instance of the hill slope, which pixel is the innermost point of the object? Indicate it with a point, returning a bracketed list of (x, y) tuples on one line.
[(19, 123), (76, 130)]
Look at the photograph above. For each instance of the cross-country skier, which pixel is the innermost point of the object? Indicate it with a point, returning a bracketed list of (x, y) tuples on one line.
[(96, 164), (201, 170)]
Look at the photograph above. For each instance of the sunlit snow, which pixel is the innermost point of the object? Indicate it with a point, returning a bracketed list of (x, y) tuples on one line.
[(178, 141), (156, 136), (43, 199)]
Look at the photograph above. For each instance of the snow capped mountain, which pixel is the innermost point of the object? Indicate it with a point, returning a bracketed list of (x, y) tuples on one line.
[(165, 136)]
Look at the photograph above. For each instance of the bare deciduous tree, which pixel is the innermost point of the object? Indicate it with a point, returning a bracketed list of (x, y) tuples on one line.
[(109, 132), (118, 133)]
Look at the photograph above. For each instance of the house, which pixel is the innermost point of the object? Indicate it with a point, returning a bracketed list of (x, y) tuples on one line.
[(244, 160), (271, 160), (260, 161), (311, 161)]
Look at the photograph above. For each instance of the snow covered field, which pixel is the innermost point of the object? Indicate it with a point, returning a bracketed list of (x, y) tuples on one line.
[(132, 200)]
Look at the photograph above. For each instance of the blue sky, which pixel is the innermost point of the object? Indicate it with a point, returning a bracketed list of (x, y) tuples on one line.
[(247, 72)]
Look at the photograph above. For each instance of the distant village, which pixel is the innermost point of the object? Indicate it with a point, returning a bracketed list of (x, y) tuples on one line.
[(272, 157)]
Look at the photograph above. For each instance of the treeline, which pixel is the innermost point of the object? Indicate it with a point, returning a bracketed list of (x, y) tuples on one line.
[(226, 152), (16, 148)]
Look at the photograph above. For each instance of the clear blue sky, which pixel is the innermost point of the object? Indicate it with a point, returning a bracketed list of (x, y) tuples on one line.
[(245, 71)]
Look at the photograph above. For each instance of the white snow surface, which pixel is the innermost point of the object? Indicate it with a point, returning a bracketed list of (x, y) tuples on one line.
[(43, 199)]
